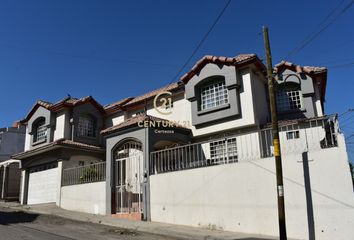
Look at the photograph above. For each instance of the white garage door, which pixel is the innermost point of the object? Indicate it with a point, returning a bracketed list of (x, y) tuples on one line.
[(42, 184)]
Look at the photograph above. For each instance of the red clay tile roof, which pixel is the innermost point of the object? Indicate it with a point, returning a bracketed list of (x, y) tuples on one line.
[(176, 85), (238, 60), (67, 102), (65, 142), (149, 95), (72, 102), (39, 103), (58, 143), (116, 106), (299, 69), (44, 104), (319, 72), (134, 120)]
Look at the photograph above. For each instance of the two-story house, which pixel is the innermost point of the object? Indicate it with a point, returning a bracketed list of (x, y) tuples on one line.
[(198, 152), (214, 166), (60, 135)]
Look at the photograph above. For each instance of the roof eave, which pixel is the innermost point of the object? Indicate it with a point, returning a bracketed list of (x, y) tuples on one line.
[(223, 61), (54, 146)]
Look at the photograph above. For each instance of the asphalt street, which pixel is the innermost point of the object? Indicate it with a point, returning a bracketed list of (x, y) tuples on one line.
[(17, 225)]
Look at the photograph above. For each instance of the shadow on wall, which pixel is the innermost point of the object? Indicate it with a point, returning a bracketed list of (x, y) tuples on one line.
[(309, 203), (7, 218)]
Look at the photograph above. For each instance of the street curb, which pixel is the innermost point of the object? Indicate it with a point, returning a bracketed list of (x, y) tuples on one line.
[(164, 231)]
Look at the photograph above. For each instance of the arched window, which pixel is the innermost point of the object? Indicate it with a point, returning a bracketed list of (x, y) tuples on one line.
[(213, 93), (289, 97), (86, 126), (39, 130)]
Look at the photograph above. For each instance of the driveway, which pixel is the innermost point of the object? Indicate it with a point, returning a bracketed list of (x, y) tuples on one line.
[(18, 225)]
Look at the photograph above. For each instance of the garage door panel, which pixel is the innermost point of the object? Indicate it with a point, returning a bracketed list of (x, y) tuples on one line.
[(42, 186)]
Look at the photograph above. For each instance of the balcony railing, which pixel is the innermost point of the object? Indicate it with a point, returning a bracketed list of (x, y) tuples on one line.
[(84, 174), (295, 137)]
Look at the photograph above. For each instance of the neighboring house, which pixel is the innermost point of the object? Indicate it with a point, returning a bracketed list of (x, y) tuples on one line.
[(60, 135), (199, 152), (12, 140)]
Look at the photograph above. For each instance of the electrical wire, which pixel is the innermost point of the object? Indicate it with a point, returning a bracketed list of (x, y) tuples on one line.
[(349, 64), (309, 38), (201, 41), (346, 112), (86, 57)]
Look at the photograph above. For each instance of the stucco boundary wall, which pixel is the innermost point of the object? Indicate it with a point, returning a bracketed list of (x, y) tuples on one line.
[(87, 198), (242, 196)]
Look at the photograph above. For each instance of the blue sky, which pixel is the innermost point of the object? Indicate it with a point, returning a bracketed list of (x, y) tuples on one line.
[(116, 49)]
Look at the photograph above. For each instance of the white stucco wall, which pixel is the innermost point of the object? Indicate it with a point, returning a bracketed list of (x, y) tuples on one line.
[(27, 140), (59, 126), (22, 188), (247, 113), (88, 198), (241, 197), (318, 103), (115, 119), (261, 108), (181, 112)]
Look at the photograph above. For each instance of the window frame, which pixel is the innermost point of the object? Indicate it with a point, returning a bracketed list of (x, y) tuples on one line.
[(289, 94), (84, 128), (218, 98), (225, 150), (40, 131), (292, 135)]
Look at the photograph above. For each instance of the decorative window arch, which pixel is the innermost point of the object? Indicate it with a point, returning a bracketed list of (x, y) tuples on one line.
[(39, 130), (289, 97), (86, 126), (212, 93), (127, 149)]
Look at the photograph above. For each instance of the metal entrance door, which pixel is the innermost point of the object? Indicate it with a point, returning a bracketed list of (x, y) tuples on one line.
[(128, 179)]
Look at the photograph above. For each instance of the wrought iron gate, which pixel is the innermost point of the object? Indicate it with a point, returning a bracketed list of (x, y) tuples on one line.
[(128, 181)]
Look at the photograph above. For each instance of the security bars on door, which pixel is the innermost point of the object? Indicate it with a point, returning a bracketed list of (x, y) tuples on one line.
[(128, 184), (128, 177), (295, 138), (84, 174)]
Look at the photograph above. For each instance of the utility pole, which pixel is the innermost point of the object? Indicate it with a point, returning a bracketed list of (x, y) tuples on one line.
[(275, 128)]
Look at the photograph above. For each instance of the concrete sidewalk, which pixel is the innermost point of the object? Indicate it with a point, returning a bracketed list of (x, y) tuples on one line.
[(168, 230)]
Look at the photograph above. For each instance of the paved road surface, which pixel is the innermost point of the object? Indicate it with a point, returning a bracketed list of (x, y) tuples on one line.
[(16, 225)]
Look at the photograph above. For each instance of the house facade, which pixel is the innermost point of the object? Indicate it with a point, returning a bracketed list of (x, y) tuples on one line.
[(12, 141), (60, 135), (197, 152)]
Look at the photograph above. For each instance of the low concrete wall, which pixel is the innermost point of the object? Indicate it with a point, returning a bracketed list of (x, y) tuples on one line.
[(242, 196), (88, 198)]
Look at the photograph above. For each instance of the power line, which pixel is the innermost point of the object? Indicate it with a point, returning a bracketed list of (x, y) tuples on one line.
[(350, 136), (312, 36), (336, 61), (89, 57), (347, 123), (346, 112), (349, 64), (347, 127), (346, 120), (201, 41)]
